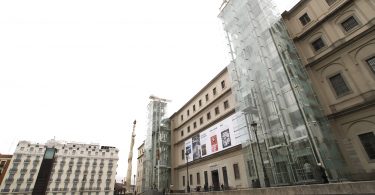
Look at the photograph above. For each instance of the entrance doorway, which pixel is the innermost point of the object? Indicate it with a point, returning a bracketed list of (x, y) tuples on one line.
[(215, 180)]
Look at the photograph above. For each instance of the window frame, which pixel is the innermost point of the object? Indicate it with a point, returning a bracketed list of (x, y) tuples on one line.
[(365, 151), (226, 104), (315, 40), (217, 110), (353, 28), (368, 64), (223, 84), (237, 174), (333, 88), (303, 17)]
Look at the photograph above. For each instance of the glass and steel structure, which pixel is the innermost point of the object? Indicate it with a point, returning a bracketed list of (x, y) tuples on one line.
[(290, 140)]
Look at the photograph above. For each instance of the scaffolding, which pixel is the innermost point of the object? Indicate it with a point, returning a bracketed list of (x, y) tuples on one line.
[(271, 87), (156, 167)]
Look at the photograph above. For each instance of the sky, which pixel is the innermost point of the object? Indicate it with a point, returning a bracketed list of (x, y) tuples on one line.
[(83, 70)]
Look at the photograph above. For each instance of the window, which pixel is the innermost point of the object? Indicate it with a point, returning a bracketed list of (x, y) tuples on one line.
[(339, 85), (207, 97), (201, 120), (349, 23), (318, 44), (194, 108), (214, 91), (182, 132), (188, 112), (226, 104), (200, 102), (217, 111), (183, 180), (371, 63), (222, 84), (208, 115), (368, 143), (188, 129), (195, 125), (304, 19), (236, 171), (183, 154), (330, 2), (182, 117), (198, 179), (191, 179)]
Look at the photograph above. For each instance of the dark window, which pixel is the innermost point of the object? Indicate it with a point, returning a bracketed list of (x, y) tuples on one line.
[(182, 117), (198, 179), (183, 154), (200, 102), (217, 111), (191, 179), (318, 44), (214, 91), (207, 97), (304, 19), (236, 171), (188, 129), (330, 2), (188, 112), (205, 178), (182, 132), (349, 23), (222, 84), (195, 125), (194, 108), (201, 120), (183, 180), (368, 142), (339, 85), (371, 63), (226, 104), (208, 115)]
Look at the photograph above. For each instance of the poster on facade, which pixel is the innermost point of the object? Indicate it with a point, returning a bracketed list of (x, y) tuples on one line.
[(188, 150), (216, 138), (225, 137), (196, 147)]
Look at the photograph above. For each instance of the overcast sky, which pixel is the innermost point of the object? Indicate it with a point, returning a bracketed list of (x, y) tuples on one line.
[(82, 70)]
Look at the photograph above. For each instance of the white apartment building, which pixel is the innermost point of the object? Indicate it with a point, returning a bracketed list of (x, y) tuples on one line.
[(61, 168)]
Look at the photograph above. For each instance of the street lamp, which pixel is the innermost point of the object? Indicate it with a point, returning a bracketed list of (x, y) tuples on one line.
[(266, 180), (187, 171)]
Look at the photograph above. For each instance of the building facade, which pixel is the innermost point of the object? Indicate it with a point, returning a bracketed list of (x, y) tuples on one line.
[(290, 140), (4, 164), (58, 168), (335, 40), (140, 161), (205, 150)]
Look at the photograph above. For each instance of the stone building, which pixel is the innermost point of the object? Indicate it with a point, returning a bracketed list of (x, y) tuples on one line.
[(60, 168), (335, 40), (206, 146)]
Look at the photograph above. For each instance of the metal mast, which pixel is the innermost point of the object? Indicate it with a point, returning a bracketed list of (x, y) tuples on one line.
[(130, 158)]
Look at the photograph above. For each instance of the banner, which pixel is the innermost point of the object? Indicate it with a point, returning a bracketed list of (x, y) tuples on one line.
[(216, 138)]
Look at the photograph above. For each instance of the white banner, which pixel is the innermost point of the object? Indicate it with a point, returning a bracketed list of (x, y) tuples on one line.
[(216, 138)]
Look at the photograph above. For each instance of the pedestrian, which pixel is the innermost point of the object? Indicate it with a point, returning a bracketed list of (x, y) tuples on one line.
[(222, 187)]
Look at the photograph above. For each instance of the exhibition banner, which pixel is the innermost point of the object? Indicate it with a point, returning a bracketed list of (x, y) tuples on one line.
[(216, 138)]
